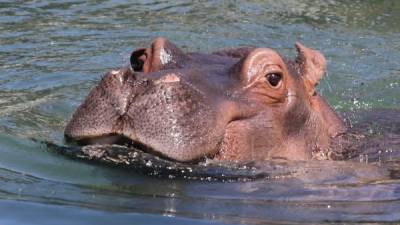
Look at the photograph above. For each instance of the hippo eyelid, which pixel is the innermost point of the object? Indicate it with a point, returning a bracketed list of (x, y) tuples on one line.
[(259, 62), (263, 75), (256, 80)]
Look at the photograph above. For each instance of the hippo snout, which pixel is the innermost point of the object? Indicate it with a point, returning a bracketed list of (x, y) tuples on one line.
[(162, 113)]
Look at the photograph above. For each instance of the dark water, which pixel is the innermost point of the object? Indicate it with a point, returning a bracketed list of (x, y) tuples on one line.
[(52, 53)]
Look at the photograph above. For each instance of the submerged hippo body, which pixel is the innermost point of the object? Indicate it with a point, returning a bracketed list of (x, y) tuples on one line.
[(240, 104)]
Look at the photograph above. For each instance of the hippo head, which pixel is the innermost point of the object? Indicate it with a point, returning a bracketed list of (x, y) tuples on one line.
[(238, 104)]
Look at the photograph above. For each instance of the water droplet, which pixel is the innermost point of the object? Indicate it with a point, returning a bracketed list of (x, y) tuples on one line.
[(379, 157)]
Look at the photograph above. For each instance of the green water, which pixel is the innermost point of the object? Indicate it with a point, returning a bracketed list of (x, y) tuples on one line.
[(52, 53)]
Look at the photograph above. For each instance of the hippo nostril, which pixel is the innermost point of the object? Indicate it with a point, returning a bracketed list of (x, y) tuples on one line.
[(137, 60), (137, 65)]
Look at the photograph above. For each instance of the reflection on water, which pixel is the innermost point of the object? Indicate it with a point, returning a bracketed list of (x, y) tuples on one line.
[(52, 53)]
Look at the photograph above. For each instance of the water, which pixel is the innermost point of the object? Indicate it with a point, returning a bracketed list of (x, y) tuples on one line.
[(52, 53)]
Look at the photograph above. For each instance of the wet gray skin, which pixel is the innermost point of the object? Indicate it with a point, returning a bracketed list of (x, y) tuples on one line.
[(237, 104)]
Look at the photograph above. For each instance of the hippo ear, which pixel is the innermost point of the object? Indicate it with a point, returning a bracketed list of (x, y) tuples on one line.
[(161, 55), (312, 66)]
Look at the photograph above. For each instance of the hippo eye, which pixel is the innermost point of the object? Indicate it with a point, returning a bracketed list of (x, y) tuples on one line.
[(274, 79)]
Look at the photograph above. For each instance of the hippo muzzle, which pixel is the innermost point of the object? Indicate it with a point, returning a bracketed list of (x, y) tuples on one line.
[(160, 112)]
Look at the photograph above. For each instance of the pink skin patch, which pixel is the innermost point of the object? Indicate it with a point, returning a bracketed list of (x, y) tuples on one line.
[(169, 78)]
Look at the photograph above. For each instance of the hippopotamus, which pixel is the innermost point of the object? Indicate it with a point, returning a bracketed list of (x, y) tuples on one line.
[(238, 104)]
